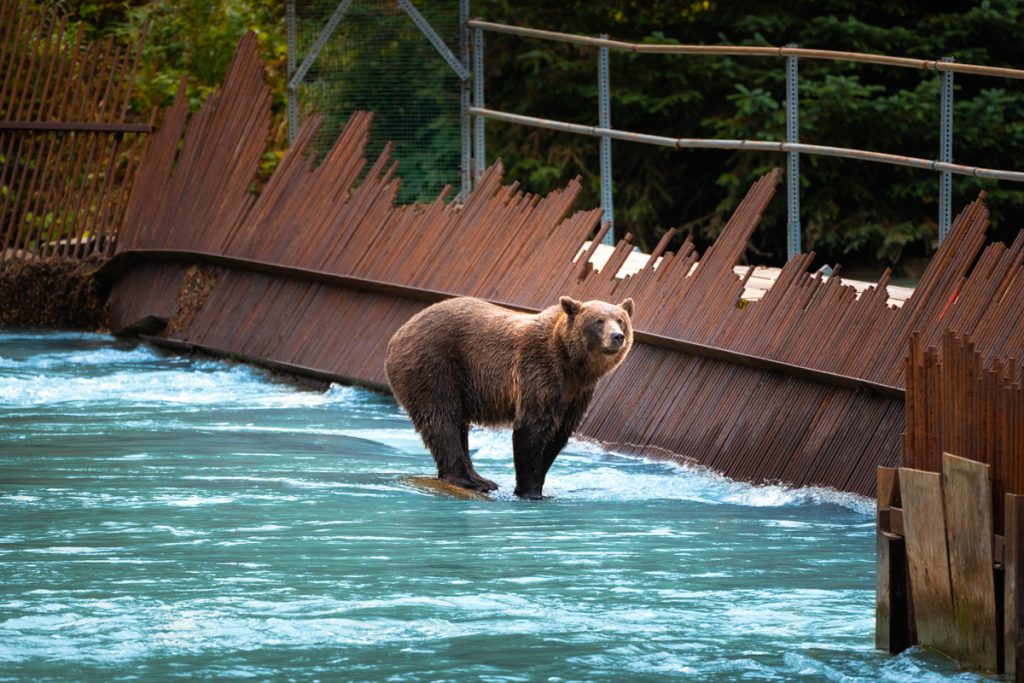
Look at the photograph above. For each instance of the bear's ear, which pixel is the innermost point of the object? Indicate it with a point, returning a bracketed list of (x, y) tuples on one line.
[(627, 306), (570, 306)]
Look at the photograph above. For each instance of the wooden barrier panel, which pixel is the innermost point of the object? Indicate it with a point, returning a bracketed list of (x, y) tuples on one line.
[(967, 496), (1013, 587), (944, 525), (894, 631), (959, 398), (928, 558)]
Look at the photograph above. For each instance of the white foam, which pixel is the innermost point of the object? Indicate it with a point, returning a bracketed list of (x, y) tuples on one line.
[(585, 471), (18, 498), (194, 501), (143, 376), (688, 483), (178, 532)]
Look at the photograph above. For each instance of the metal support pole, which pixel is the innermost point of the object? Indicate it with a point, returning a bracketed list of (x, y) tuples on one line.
[(478, 101), (793, 167), (465, 125), (946, 153), (293, 114), (437, 41), (604, 120), (325, 33)]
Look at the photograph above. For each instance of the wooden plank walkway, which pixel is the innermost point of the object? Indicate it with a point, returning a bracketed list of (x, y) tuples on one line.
[(759, 282)]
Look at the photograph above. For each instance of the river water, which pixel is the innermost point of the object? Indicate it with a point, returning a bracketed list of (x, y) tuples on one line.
[(172, 518)]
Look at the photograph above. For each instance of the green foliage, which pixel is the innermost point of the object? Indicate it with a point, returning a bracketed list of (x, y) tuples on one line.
[(193, 39)]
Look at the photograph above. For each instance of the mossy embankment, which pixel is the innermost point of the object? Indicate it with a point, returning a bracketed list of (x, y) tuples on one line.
[(55, 293)]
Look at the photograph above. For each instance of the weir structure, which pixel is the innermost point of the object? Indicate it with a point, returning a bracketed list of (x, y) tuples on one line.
[(314, 274)]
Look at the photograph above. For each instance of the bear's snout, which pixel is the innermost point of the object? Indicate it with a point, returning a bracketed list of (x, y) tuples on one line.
[(614, 338)]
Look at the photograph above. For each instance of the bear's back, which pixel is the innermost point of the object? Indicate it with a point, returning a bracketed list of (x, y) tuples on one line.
[(462, 352)]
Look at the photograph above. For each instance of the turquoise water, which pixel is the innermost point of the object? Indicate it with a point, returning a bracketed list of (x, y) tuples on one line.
[(171, 518)]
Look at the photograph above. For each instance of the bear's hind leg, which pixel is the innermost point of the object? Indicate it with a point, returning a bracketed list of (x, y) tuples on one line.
[(486, 483), (445, 441)]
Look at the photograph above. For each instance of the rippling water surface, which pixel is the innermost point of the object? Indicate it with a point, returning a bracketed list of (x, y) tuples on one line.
[(166, 518)]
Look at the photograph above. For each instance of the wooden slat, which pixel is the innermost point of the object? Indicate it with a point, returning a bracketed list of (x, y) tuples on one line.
[(927, 557), (1013, 587), (77, 126), (887, 489), (967, 493), (892, 618)]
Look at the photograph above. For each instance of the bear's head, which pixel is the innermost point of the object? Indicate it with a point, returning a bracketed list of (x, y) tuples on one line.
[(599, 332)]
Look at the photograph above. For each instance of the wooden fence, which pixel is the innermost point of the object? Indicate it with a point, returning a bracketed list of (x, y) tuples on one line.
[(67, 151)]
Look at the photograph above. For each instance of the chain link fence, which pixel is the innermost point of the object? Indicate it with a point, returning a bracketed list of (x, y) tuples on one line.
[(377, 59)]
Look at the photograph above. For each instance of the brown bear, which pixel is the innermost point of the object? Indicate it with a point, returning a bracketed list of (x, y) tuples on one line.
[(466, 361)]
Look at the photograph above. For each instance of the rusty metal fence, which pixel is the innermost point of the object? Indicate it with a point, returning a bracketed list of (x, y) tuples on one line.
[(313, 275), (67, 151)]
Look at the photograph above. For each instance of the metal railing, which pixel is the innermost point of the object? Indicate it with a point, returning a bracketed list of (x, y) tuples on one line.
[(791, 146)]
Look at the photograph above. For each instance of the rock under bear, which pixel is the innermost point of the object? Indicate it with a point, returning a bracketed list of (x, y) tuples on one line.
[(466, 361)]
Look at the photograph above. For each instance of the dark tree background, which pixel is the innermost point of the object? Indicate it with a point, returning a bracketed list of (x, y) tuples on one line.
[(860, 213)]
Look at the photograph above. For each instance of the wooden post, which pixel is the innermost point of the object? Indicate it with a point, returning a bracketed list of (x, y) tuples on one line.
[(1013, 587), (928, 558), (967, 493), (892, 616)]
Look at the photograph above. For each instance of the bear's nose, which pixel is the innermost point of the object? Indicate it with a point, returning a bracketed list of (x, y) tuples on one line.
[(618, 338)]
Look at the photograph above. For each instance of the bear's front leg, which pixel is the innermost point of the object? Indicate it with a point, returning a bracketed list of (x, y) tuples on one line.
[(528, 442)]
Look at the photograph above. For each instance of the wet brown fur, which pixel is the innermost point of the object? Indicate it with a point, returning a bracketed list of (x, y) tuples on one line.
[(466, 361)]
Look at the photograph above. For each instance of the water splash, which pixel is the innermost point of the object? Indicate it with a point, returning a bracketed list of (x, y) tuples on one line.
[(587, 472)]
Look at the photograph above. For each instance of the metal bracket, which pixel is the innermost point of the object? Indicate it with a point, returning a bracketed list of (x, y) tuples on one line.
[(946, 153), (423, 25), (325, 33)]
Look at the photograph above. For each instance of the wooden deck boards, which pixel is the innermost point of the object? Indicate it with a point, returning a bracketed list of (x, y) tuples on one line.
[(759, 282)]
